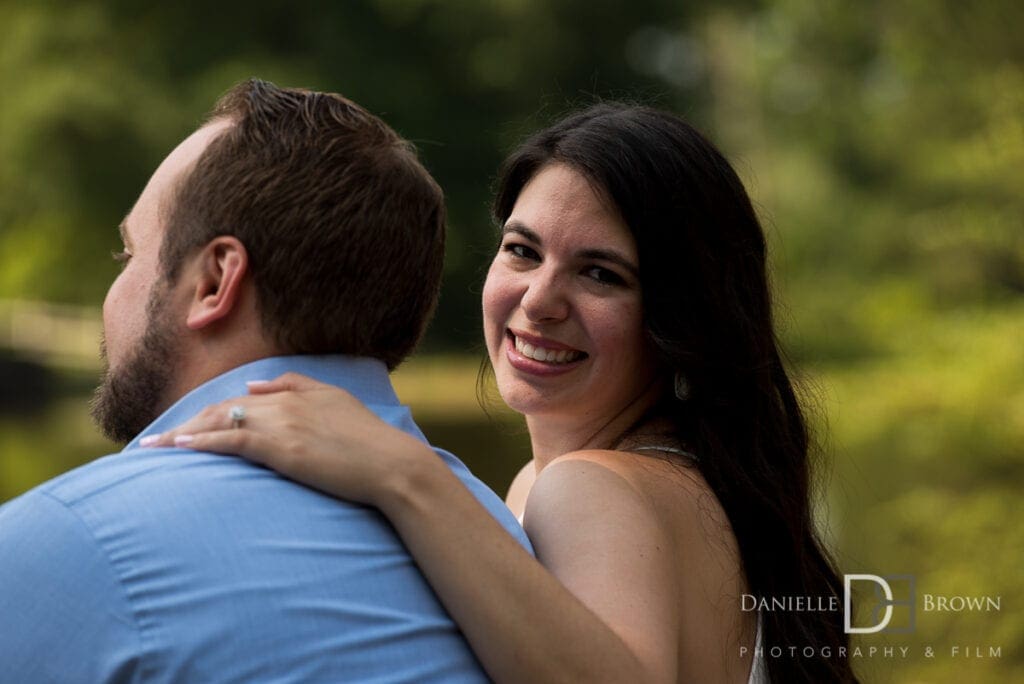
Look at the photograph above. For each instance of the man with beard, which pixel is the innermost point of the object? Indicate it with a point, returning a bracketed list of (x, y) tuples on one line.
[(292, 232)]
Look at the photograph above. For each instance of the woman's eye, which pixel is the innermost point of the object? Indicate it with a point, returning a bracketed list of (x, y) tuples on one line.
[(121, 257), (521, 251), (604, 276)]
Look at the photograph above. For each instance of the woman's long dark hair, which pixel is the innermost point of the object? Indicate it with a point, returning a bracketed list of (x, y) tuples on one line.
[(707, 308)]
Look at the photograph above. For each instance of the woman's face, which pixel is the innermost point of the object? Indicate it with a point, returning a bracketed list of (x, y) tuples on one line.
[(562, 304)]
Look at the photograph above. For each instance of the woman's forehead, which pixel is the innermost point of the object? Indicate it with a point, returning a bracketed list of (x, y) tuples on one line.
[(560, 205)]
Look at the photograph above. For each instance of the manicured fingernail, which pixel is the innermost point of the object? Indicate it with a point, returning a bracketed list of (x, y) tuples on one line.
[(256, 383), (182, 440), (151, 439)]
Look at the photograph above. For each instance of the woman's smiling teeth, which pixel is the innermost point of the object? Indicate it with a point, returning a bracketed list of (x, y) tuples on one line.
[(546, 355)]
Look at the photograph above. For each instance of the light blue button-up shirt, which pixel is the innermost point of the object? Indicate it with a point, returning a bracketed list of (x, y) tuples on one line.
[(169, 565)]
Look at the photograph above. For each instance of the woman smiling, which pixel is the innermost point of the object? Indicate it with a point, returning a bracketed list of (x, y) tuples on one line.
[(627, 316)]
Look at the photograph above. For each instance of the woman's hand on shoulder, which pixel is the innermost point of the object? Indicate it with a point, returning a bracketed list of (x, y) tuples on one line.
[(597, 532), (309, 431)]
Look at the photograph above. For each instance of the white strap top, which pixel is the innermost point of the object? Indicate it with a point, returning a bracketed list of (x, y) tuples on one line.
[(758, 670)]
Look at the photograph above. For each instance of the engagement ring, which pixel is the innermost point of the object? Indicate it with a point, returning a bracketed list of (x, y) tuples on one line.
[(237, 415)]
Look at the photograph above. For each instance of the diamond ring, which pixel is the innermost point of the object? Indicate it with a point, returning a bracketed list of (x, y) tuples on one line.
[(237, 415)]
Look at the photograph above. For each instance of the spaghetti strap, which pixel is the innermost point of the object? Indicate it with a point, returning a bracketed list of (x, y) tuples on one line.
[(758, 666)]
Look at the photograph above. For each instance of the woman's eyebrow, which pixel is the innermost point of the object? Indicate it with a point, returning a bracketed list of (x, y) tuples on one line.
[(517, 227)]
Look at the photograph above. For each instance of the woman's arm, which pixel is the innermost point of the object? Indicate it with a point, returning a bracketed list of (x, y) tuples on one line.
[(603, 606)]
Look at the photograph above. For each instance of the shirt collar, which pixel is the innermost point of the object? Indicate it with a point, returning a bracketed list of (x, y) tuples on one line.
[(367, 379)]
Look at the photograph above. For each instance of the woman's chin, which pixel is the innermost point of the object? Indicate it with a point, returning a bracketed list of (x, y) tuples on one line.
[(534, 401), (524, 400), (519, 404)]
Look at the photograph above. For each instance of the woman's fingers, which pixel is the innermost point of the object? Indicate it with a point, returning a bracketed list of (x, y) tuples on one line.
[(293, 424), (215, 417), (272, 401), (311, 432), (289, 382), (253, 445)]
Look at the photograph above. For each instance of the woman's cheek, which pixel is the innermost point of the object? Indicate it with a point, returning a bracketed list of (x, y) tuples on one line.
[(493, 314)]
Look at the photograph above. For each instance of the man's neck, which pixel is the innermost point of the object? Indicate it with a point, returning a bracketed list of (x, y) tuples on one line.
[(200, 368)]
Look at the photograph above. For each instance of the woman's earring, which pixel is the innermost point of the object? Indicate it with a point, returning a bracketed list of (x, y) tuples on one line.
[(682, 386)]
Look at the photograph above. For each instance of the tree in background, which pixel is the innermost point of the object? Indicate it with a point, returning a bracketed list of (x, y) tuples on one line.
[(884, 143)]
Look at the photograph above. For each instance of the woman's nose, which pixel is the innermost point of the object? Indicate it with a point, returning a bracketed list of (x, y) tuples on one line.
[(545, 298)]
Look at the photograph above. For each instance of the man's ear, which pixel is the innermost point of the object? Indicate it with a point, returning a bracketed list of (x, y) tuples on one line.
[(221, 267)]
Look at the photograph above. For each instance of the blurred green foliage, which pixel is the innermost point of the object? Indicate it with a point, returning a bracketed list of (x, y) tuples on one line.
[(882, 141)]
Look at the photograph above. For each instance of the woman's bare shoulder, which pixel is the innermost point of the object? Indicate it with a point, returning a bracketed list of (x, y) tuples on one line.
[(587, 487), (672, 490), (611, 485), (648, 474)]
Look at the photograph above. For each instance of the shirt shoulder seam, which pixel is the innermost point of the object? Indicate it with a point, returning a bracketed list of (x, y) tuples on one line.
[(140, 634)]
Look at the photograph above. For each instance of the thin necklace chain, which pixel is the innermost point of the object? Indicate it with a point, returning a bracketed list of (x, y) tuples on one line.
[(671, 450)]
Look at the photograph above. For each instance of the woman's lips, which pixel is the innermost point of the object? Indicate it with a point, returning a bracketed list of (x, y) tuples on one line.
[(525, 353)]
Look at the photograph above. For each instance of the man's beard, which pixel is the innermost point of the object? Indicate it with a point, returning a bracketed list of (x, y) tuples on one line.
[(132, 396)]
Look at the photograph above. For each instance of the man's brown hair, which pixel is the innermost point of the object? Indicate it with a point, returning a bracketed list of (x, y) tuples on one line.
[(344, 227)]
